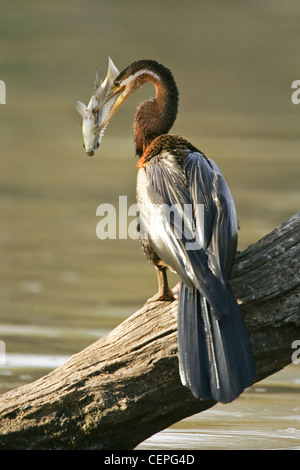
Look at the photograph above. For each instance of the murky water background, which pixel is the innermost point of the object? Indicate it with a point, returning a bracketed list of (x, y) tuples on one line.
[(61, 287)]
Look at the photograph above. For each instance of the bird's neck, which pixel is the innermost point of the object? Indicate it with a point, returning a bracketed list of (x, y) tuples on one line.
[(157, 115)]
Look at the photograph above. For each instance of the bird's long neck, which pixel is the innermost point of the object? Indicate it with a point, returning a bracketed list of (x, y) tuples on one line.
[(157, 115)]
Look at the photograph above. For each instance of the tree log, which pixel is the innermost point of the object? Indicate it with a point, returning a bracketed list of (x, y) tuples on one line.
[(125, 387)]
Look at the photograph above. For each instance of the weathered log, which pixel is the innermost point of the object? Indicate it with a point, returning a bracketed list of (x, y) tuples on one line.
[(126, 387)]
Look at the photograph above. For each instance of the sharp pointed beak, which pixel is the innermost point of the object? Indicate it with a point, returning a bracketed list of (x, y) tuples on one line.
[(120, 100)]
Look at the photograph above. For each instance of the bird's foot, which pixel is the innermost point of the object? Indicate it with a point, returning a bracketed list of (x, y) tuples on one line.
[(162, 296)]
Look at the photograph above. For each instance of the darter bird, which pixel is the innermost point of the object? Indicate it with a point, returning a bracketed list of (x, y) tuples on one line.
[(196, 238)]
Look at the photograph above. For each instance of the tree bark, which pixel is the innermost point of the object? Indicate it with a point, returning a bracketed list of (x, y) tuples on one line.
[(125, 387)]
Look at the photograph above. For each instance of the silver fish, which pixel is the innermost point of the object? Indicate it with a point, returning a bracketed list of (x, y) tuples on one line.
[(94, 115)]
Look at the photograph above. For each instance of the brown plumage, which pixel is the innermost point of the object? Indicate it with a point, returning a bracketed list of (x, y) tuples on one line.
[(167, 143)]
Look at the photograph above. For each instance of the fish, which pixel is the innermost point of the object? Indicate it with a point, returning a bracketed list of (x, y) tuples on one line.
[(93, 115)]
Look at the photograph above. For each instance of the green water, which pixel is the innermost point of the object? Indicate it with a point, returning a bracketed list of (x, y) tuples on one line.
[(61, 287)]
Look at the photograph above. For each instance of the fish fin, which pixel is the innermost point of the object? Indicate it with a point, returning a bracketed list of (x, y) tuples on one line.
[(98, 80), (81, 108), (112, 71)]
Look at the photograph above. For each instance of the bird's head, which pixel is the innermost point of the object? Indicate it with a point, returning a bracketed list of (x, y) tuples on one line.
[(154, 117), (129, 80)]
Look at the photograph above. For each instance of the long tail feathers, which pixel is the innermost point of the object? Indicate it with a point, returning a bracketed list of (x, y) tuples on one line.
[(215, 356)]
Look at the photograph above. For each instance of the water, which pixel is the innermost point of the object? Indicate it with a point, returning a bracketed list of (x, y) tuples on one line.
[(61, 287), (266, 416)]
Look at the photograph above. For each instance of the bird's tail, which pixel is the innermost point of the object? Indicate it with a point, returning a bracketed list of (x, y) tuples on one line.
[(215, 356)]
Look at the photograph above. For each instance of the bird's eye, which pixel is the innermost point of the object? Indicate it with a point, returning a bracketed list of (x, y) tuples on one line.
[(117, 83)]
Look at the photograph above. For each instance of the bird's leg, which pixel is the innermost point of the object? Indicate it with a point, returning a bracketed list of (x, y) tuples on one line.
[(164, 291)]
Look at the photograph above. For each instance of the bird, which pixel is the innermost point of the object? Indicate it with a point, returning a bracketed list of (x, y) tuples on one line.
[(188, 224)]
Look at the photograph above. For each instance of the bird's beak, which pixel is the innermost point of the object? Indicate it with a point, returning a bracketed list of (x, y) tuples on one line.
[(120, 100)]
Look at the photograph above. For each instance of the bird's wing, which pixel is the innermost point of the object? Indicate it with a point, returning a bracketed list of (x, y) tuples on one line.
[(177, 215), (215, 354), (208, 187), (162, 195)]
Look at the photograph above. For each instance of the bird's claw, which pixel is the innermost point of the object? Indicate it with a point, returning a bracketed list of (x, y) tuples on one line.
[(162, 297)]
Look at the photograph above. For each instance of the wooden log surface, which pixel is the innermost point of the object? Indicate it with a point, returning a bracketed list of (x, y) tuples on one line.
[(125, 387)]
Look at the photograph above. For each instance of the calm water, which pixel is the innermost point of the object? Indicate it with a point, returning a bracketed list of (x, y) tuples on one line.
[(61, 287)]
